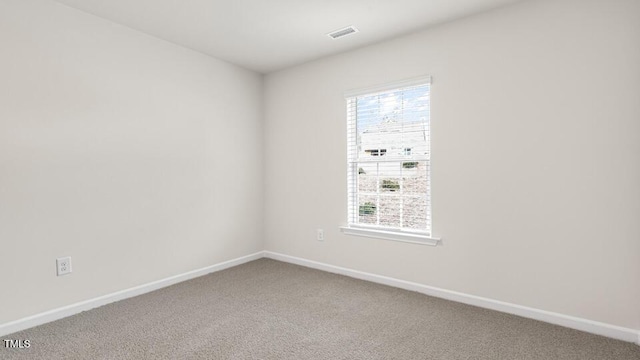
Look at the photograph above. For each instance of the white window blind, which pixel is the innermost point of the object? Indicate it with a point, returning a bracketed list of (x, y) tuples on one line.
[(389, 158)]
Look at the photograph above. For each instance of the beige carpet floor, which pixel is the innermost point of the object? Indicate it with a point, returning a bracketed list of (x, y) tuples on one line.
[(266, 309)]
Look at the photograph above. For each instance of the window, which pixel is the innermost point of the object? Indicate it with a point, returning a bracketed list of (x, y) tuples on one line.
[(390, 195), (376, 152)]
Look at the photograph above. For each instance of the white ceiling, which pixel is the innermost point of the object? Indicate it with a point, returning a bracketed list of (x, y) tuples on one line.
[(268, 35)]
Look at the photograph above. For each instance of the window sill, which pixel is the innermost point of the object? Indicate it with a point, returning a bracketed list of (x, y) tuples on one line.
[(391, 235)]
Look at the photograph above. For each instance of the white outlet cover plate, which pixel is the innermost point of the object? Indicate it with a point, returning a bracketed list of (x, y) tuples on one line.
[(63, 265)]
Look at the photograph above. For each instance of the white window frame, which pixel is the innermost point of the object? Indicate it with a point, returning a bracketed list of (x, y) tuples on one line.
[(374, 231)]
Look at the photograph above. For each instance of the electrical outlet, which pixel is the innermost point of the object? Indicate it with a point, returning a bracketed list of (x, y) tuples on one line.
[(63, 265), (320, 235)]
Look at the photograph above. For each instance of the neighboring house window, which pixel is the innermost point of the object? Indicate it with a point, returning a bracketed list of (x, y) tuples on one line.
[(376, 152), (390, 194)]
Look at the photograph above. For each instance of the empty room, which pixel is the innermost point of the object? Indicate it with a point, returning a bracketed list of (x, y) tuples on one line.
[(320, 179)]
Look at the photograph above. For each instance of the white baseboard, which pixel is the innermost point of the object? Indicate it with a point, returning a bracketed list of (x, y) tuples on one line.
[(59, 313), (586, 325), (594, 327)]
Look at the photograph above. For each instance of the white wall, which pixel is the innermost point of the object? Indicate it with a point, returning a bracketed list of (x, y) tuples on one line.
[(536, 136), (134, 156)]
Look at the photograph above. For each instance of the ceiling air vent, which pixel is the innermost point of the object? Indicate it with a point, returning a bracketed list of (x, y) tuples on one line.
[(343, 32)]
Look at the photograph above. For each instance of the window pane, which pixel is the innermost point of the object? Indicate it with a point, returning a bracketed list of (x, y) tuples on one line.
[(368, 178), (390, 209), (390, 177), (414, 212), (395, 123), (414, 176), (367, 209)]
